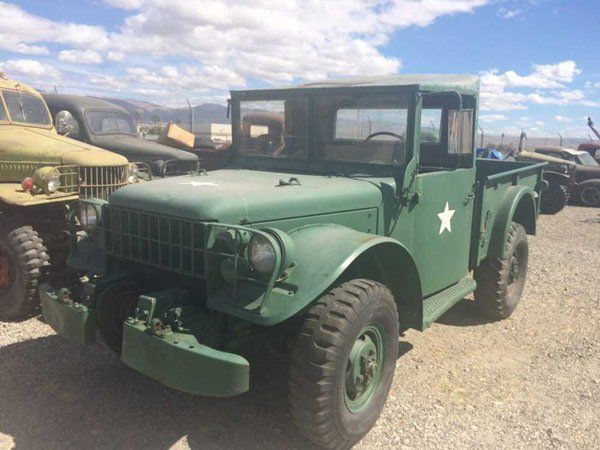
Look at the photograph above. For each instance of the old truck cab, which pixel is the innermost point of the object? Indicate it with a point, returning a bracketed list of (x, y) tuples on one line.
[(347, 219), (106, 125)]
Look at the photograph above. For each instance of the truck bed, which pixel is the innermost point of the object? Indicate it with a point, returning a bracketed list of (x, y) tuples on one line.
[(497, 184)]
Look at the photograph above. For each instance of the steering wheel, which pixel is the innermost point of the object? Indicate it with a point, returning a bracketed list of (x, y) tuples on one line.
[(381, 133)]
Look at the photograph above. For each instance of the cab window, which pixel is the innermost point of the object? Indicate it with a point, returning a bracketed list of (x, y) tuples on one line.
[(431, 123)]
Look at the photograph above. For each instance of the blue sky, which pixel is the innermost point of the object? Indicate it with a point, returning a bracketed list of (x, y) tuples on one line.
[(538, 59)]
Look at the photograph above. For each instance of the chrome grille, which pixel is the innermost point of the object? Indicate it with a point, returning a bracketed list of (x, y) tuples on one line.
[(101, 182), (156, 240)]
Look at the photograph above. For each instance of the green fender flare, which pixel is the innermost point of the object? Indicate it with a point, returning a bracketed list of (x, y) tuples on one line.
[(323, 252), (518, 205)]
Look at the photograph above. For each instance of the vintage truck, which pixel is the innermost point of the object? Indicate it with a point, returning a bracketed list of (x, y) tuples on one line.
[(586, 190), (41, 173), (338, 232), (106, 125)]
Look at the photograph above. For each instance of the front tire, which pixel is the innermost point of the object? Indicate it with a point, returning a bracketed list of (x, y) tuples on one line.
[(22, 256), (500, 282), (343, 363), (554, 199), (115, 304)]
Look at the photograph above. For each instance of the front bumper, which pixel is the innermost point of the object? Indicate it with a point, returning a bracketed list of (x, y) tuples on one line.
[(177, 360)]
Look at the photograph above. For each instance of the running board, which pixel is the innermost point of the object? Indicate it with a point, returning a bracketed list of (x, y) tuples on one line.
[(438, 304)]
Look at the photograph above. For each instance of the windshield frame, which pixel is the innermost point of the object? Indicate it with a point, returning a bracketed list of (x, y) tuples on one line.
[(310, 163), (10, 120), (107, 110)]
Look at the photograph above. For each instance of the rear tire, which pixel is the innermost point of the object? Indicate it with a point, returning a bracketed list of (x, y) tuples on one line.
[(343, 363), (589, 193), (500, 282), (22, 256), (554, 199)]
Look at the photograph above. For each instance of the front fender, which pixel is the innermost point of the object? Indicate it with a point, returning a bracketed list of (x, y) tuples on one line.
[(518, 205), (323, 253)]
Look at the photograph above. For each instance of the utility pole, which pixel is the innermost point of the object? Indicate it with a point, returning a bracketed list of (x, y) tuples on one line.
[(561, 138), (55, 90), (502, 138), (482, 134), (521, 139), (593, 128), (192, 118)]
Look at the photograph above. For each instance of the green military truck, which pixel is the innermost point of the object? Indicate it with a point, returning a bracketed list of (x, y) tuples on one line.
[(339, 231), (41, 173)]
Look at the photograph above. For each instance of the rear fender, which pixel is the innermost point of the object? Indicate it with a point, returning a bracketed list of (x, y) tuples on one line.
[(518, 205)]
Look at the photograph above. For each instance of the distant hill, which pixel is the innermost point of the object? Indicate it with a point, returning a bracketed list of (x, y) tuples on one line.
[(205, 113)]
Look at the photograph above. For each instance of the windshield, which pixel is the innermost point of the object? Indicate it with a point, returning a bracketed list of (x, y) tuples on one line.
[(26, 108), (360, 128), (587, 160), (273, 128), (109, 122)]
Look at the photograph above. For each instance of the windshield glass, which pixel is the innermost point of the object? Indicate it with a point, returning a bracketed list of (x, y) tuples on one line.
[(26, 108), (273, 128), (109, 122), (587, 160), (360, 128)]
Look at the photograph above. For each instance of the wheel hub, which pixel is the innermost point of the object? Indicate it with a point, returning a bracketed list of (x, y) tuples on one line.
[(4, 270), (363, 368)]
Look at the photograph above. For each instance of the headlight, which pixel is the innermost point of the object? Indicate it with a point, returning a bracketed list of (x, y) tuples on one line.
[(88, 216), (262, 254), (47, 179), (132, 174)]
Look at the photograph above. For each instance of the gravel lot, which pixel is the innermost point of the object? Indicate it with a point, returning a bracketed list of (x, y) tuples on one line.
[(530, 381)]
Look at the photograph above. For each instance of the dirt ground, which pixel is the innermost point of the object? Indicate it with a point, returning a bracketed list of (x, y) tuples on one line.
[(532, 381)]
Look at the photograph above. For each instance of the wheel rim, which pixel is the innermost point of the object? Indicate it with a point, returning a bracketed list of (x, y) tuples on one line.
[(590, 196), (4, 270), (363, 368)]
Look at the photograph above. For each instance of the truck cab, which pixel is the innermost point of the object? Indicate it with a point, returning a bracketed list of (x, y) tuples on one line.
[(338, 224), (111, 127)]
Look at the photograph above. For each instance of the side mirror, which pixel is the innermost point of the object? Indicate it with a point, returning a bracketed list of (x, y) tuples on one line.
[(65, 123), (460, 132)]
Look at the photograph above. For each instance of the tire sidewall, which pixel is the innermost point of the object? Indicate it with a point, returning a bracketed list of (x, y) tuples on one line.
[(520, 248), (16, 289), (558, 199), (595, 186), (354, 425)]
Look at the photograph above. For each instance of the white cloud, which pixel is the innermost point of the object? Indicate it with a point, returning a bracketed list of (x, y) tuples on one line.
[(563, 119), (276, 42), (80, 56), (509, 13), (490, 118), (31, 68)]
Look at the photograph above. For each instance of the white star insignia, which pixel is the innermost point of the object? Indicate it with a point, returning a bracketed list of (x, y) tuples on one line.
[(445, 218), (199, 183)]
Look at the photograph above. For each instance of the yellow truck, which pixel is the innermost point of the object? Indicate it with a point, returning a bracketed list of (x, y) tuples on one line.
[(41, 174)]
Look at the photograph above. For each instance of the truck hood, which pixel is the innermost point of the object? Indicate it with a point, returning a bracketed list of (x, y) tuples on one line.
[(138, 149), (19, 143), (241, 196)]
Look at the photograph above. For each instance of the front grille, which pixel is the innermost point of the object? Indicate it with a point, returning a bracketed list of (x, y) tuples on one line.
[(69, 179), (101, 182), (176, 167), (156, 240)]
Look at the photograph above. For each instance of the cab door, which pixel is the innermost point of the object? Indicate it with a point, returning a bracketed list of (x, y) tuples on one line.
[(443, 212)]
